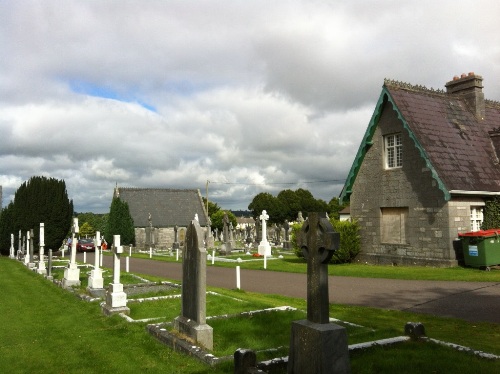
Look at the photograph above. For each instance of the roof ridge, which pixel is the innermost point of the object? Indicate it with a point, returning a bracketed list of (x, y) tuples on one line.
[(494, 103), (156, 189), (412, 87)]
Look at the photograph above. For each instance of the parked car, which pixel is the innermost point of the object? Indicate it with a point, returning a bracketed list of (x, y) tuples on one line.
[(85, 245)]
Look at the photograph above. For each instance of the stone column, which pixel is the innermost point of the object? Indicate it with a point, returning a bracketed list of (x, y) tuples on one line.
[(72, 272), (32, 250), (264, 246), (12, 246), (116, 299), (95, 278), (41, 261), (27, 255)]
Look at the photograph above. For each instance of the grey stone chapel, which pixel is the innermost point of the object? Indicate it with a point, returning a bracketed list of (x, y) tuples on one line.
[(157, 212)]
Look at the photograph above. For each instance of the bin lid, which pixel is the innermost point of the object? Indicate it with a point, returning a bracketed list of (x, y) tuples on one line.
[(481, 233)]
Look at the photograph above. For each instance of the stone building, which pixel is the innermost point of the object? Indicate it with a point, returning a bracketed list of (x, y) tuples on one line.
[(156, 212), (427, 163)]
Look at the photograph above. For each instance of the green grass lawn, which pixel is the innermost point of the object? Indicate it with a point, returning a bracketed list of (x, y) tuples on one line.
[(44, 328)]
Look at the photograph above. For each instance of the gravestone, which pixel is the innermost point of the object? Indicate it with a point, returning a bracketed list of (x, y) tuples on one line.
[(192, 321), (209, 239), (27, 252), (41, 261), (300, 219), (95, 278), (286, 241), (226, 247), (116, 299), (72, 272), (316, 345), (49, 267), (11, 255), (264, 246), (19, 244), (31, 264), (176, 238)]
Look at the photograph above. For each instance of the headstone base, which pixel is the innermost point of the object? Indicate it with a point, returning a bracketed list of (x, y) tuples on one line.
[(202, 334), (109, 310), (71, 276), (115, 297), (318, 348), (95, 279), (41, 268), (264, 249)]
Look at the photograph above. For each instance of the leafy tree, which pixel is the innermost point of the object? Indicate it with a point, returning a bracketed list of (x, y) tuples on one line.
[(334, 207), (42, 199), (291, 203), (269, 203), (218, 219), (491, 219), (212, 207), (120, 222), (86, 231), (7, 228), (97, 221)]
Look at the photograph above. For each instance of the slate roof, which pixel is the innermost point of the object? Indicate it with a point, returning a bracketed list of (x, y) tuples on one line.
[(456, 145), (168, 207)]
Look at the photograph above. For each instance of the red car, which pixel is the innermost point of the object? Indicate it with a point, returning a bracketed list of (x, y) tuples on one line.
[(85, 245)]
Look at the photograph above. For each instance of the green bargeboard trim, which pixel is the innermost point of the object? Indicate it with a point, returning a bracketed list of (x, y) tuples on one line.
[(385, 96)]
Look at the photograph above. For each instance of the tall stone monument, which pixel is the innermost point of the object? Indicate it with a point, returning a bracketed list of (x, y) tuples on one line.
[(116, 299), (27, 255), (96, 281), (41, 261), (31, 264), (72, 272), (316, 345), (192, 321), (227, 246), (286, 231), (264, 246), (12, 255)]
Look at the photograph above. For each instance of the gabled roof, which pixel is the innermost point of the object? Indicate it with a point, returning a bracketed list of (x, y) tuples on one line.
[(168, 207), (455, 145)]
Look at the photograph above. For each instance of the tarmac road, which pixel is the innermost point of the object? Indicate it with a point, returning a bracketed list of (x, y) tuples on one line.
[(471, 301)]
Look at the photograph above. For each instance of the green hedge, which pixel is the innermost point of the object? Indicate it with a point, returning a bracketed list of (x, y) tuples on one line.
[(350, 243)]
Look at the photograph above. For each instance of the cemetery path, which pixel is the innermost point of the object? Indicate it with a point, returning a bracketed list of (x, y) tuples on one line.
[(472, 301)]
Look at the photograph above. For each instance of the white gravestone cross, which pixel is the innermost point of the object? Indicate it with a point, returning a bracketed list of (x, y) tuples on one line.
[(264, 246)]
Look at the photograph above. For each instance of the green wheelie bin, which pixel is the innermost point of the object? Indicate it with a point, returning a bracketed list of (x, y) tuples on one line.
[(481, 248)]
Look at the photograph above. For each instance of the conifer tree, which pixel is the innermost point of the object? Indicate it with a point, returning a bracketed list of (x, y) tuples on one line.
[(120, 222)]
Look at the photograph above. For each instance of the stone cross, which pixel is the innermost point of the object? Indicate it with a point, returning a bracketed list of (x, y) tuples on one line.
[(95, 279), (72, 272), (318, 242), (192, 320), (116, 298), (264, 217)]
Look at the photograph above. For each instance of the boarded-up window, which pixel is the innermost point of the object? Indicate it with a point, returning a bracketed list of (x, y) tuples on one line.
[(393, 225)]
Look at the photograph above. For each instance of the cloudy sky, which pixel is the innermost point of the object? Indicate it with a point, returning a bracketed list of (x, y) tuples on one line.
[(253, 96)]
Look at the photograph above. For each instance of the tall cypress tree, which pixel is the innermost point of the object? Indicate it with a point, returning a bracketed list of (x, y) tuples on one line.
[(7, 228), (42, 199), (120, 222)]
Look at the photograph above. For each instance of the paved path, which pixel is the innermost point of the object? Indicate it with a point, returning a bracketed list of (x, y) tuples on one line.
[(472, 301)]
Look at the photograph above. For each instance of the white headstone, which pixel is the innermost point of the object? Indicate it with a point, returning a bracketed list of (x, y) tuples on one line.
[(264, 246)]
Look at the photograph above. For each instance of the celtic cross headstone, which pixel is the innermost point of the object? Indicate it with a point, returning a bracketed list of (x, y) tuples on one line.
[(316, 345)]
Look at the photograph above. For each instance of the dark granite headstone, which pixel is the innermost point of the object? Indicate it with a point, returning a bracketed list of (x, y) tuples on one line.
[(316, 345), (192, 321)]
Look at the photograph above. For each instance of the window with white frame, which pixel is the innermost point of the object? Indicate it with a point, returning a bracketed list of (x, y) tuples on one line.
[(393, 151), (476, 217)]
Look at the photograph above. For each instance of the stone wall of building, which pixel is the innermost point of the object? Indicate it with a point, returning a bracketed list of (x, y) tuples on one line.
[(428, 225), (163, 237)]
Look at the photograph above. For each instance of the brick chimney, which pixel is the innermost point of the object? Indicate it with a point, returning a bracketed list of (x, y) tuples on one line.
[(470, 87)]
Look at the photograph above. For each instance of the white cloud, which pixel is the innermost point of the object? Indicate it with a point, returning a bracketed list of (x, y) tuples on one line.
[(249, 93)]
